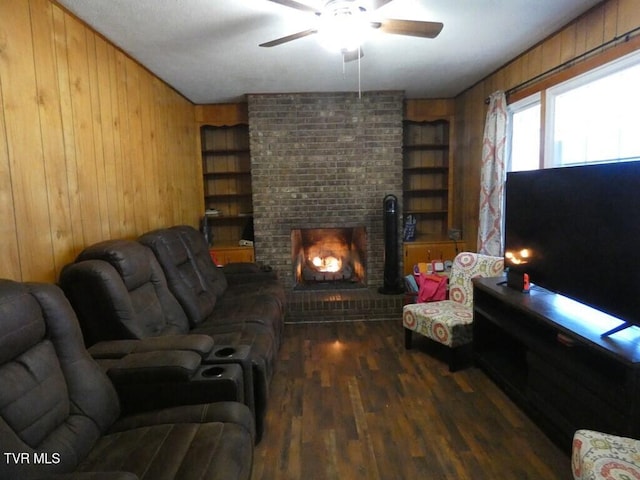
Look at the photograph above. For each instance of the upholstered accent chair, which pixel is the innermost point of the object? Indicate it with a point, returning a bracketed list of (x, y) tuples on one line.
[(449, 322), (597, 455)]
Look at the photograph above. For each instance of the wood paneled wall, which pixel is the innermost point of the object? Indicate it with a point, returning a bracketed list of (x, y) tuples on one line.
[(92, 145), (603, 23)]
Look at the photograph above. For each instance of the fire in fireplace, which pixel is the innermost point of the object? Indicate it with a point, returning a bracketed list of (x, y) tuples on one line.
[(329, 257)]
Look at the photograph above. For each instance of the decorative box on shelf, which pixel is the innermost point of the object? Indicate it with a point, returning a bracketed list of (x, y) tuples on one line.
[(427, 251), (224, 254)]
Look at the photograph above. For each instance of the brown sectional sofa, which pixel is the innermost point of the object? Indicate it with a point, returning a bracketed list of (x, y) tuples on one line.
[(136, 297), (61, 416)]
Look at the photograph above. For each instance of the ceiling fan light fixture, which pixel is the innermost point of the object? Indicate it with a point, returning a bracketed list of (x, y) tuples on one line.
[(343, 27)]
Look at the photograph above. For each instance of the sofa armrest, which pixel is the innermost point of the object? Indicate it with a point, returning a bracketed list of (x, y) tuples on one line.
[(112, 349), (155, 367), (240, 355), (199, 344), (241, 272), (153, 380), (240, 268)]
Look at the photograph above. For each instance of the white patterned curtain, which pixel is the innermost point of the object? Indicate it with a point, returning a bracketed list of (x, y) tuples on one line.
[(492, 177)]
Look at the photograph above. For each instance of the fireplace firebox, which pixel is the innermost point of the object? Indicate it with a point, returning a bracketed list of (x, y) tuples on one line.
[(329, 257)]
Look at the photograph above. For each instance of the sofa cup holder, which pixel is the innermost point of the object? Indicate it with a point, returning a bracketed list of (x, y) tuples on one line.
[(213, 372), (225, 352)]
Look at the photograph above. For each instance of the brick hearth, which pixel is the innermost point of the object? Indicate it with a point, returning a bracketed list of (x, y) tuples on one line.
[(345, 305)]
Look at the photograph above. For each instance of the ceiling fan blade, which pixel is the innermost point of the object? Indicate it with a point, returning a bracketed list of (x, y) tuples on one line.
[(412, 28), (296, 5), (376, 4), (288, 38), (351, 55)]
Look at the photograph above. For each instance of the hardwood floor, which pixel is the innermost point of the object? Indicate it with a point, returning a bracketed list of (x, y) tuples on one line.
[(348, 402)]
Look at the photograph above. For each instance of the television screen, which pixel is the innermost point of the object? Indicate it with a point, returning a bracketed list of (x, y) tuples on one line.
[(576, 231)]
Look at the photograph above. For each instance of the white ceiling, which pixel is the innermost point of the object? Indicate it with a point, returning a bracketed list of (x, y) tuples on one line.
[(208, 49)]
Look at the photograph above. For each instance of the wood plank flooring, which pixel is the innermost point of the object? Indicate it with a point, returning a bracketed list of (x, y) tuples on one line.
[(348, 402)]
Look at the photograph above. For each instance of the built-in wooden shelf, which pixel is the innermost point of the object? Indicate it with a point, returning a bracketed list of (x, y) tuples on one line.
[(226, 170), (427, 160)]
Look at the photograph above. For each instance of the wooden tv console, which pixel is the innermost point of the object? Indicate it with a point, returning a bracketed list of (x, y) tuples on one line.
[(546, 352)]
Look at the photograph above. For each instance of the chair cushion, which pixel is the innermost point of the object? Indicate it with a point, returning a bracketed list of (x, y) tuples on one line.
[(201, 258), (196, 292), (467, 266), (202, 288), (54, 397), (130, 259), (446, 322), (213, 441), (119, 290), (597, 455)]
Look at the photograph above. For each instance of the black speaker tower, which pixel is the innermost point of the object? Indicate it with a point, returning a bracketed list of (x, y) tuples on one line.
[(392, 284)]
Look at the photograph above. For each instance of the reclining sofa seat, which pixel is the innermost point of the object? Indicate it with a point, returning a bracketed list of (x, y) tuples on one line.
[(119, 291), (208, 298), (59, 413), (238, 276)]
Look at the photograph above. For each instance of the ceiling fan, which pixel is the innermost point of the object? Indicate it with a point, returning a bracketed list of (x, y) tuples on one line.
[(344, 24)]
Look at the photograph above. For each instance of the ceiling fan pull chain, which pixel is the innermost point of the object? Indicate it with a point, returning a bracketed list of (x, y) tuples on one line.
[(359, 82)]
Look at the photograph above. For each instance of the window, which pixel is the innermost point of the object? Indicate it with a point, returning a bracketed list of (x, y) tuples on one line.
[(590, 118), (594, 117), (524, 125)]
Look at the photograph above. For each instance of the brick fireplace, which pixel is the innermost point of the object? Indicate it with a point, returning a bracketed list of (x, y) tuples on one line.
[(326, 161), (323, 160)]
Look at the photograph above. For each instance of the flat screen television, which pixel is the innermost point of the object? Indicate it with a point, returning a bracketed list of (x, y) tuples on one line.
[(576, 231)]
